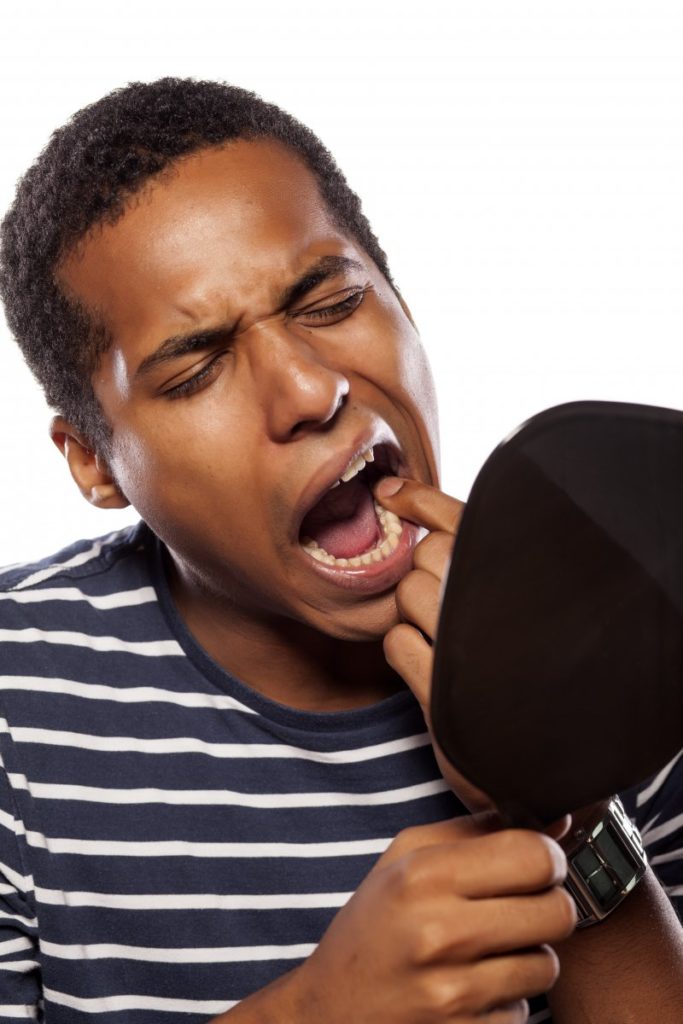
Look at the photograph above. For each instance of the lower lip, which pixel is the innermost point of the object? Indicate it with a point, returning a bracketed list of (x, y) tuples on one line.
[(376, 576)]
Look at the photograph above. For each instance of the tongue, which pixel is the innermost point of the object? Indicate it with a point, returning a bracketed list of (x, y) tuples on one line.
[(343, 522)]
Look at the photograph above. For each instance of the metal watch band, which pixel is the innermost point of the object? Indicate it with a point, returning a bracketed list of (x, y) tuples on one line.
[(606, 865)]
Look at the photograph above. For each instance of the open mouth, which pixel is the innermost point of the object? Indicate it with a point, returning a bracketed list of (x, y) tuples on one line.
[(347, 526)]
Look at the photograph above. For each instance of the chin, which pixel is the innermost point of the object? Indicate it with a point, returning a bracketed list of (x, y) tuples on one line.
[(368, 622)]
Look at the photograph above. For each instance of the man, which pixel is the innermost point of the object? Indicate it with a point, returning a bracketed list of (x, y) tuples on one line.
[(219, 795)]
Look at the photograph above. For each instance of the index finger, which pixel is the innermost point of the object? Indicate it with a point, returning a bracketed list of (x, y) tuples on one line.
[(420, 503), (503, 863)]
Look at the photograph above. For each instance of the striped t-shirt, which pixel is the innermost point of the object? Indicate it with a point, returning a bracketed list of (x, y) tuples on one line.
[(170, 840)]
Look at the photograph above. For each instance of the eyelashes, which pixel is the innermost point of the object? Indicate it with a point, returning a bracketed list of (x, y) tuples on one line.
[(333, 314), (325, 316), (203, 376)]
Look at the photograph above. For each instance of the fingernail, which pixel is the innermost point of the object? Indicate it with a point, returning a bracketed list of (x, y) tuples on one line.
[(388, 486), (559, 860)]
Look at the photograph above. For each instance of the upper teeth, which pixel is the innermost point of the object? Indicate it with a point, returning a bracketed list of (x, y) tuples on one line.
[(356, 466)]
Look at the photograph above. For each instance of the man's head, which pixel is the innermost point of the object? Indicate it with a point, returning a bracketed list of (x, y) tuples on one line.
[(251, 347), (87, 175)]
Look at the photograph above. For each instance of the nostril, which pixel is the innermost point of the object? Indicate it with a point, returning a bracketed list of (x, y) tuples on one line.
[(321, 425), (297, 401)]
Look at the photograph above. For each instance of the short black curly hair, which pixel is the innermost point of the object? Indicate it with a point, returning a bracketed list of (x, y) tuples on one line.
[(89, 169)]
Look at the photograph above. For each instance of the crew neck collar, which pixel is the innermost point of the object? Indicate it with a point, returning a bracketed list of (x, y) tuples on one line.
[(357, 719)]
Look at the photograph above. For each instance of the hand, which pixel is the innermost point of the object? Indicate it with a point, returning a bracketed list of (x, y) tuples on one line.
[(408, 646), (449, 925)]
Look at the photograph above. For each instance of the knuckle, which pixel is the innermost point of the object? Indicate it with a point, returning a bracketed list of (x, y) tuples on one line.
[(404, 588), (512, 844), (396, 640), (402, 840), (415, 586), (402, 846), (392, 645), (402, 651), (435, 995), (445, 995), (461, 994), (428, 942), (435, 545), (409, 875), (537, 852)]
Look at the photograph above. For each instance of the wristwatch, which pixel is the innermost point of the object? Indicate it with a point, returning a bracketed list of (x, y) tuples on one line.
[(604, 863)]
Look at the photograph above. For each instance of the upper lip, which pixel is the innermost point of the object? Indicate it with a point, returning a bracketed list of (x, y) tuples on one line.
[(328, 473)]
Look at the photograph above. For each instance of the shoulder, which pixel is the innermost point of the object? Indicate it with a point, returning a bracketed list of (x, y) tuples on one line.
[(656, 806), (94, 563), (88, 615), (93, 587)]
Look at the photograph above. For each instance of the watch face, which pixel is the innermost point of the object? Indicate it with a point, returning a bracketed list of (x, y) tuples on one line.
[(612, 851), (605, 867), (559, 655)]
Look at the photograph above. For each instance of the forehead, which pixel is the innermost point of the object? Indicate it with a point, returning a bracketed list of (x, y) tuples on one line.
[(224, 225)]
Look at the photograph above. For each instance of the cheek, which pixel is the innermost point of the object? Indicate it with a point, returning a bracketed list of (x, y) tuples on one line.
[(177, 475), (404, 368), (420, 391)]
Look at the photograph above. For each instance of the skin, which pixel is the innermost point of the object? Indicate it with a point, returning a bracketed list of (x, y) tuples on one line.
[(453, 922), (217, 473)]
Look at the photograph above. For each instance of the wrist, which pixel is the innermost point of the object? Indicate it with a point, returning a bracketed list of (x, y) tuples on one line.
[(280, 1002)]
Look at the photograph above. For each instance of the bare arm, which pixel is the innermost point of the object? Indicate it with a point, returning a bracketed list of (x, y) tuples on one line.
[(626, 970)]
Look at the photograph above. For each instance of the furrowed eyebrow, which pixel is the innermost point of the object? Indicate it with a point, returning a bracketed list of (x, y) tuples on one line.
[(326, 267), (185, 344), (182, 345)]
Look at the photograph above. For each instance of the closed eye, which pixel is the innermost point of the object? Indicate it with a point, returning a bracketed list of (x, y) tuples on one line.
[(203, 376), (324, 316), (333, 314)]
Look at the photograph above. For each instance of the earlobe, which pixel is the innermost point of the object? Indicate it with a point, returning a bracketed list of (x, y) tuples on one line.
[(107, 496), (89, 471)]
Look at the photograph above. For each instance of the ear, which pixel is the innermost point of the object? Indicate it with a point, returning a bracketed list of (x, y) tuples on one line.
[(90, 472)]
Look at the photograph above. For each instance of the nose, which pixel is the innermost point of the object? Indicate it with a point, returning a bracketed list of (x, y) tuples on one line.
[(298, 390)]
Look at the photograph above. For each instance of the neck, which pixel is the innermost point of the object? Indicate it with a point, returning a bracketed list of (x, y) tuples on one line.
[(283, 659)]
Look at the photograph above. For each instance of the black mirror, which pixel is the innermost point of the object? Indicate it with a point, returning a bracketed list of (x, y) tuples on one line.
[(558, 669)]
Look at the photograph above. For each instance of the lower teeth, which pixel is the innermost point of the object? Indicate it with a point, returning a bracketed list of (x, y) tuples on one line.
[(391, 528)]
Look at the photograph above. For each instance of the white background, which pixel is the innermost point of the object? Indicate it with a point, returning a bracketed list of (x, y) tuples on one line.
[(521, 163)]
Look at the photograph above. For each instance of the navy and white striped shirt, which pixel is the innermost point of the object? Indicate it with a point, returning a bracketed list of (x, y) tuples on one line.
[(170, 840)]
